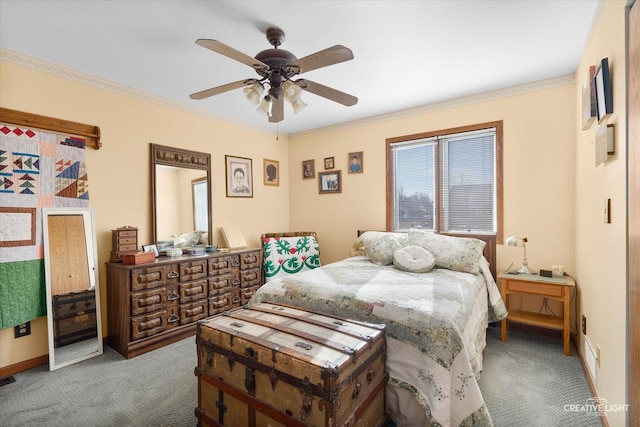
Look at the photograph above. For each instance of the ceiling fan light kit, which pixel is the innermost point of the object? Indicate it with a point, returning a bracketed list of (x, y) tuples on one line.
[(253, 93), (276, 68)]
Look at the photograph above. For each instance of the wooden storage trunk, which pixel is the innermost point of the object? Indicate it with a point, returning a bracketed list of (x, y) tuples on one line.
[(74, 317), (274, 365)]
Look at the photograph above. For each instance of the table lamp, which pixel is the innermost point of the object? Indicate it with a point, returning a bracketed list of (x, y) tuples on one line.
[(520, 241)]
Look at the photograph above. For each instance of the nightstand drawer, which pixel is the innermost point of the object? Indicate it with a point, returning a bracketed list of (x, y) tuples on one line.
[(535, 288)]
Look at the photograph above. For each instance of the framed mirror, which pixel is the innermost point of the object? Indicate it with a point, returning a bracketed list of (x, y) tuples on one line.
[(71, 278), (181, 193)]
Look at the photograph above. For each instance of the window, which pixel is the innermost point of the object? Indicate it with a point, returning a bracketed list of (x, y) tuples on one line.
[(200, 204), (448, 181)]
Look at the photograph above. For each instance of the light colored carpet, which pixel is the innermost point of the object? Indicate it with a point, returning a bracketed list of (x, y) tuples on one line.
[(526, 382)]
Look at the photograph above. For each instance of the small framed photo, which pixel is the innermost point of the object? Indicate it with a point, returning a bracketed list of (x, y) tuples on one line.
[(239, 176), (151, 248), (271, 172), (356, 162), (330, 182), (308, 169), (328, 163)]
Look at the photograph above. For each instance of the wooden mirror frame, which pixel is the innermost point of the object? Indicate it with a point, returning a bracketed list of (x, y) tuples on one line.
[(181, 158)]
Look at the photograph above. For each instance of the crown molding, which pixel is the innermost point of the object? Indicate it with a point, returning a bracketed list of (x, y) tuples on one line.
[(58, 70), (445, 105), (38, 64)]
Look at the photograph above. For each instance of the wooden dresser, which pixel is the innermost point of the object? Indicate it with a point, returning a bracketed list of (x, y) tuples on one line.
[(154, 304)]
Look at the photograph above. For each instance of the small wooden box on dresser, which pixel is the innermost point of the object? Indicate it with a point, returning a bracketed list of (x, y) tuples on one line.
[(154, 304)]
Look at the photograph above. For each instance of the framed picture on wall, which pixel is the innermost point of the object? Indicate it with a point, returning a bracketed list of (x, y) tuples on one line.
[(356, 162), (604, 95), (328, 163), (271, 172), (239, 176), (589, 108), (330, 182), (308, 169)]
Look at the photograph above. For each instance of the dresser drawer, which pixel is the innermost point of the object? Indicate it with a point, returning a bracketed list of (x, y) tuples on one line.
[(148, 301), (534, 288), (193, 270), (219, 303), (249, 277), (223, 264), (127, 233), (147, 278), (192, 291), (126, 241), (192, 312), (250, 260), (247, 293), (151, 324), (220, 284)]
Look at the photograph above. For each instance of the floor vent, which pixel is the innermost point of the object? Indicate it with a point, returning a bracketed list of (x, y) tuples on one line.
[(7, 380), (592, 360)]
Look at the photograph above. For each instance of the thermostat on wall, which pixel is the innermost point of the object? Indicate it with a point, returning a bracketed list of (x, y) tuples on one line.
[(233, 236)]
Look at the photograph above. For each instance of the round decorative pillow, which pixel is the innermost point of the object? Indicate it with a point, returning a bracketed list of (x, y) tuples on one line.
[(415, 259)]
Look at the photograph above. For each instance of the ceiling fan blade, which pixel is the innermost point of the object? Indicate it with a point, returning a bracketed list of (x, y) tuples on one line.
[(230, 52), (277, 110), (221, 89), (323, 58), (327, 92)]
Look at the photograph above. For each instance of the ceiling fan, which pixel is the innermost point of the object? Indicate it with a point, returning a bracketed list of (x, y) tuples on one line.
[(276, 68)]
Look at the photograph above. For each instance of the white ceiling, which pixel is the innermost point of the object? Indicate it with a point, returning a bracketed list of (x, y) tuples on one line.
[(408, 54)]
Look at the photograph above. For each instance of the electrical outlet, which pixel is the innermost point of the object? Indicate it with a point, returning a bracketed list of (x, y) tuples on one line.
[(584, 325), (23, 330), (557, 270)]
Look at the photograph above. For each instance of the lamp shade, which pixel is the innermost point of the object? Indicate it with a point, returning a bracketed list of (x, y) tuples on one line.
[(265, 106), (520, 241), (253, 92), (292, 93), (515, 241)]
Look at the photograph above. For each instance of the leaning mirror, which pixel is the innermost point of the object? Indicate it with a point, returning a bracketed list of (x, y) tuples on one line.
[(71, 277), (181, 189)]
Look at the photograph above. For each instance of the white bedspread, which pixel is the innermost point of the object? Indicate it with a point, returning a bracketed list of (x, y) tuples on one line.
[(436, 326)]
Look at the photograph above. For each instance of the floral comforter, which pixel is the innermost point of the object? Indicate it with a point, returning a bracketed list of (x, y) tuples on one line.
[(436, 326)]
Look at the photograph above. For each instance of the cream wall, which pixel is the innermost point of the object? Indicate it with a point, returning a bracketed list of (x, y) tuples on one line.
[(119, 172), (553, 193), (601, 248), (539, 169)]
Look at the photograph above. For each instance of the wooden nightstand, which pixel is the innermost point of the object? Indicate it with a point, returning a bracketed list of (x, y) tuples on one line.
[(556, 288)]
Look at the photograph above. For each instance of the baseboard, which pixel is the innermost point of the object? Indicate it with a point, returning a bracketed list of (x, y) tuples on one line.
[(592, 386), (24, 365)]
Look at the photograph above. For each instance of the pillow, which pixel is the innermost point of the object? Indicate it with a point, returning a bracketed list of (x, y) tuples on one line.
[(415, 259), (289, 255), (380, 245), (455, 253), (357, 249), (187, 240)]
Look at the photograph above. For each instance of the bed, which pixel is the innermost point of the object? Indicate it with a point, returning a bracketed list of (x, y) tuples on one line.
[(436, 320)]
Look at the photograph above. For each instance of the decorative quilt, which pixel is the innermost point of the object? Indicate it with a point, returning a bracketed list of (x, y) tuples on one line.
[(289, 255), (38, 169), (436, 325)]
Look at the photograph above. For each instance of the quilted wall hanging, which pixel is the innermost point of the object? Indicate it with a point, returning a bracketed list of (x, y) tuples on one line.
[(38, 169)]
